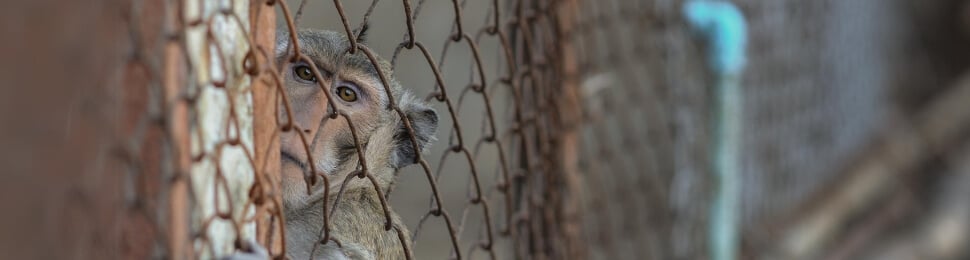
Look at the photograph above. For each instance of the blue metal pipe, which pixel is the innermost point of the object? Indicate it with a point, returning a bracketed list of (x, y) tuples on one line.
[(722, 25)]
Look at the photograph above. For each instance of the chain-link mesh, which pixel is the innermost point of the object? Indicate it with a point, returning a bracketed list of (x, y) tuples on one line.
[(499, 185), (568, 129), (647, 99), (492, 67), (193, 186)]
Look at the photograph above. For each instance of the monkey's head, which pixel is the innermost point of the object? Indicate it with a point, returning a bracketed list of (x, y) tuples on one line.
[(358, 95)]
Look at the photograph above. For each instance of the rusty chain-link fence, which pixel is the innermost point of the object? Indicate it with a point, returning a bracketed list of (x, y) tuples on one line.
[(214, 83), (568, 129), (493, 68), (196, 182)]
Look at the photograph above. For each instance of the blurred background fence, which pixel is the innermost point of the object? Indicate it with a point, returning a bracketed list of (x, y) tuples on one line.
[(570, 129)]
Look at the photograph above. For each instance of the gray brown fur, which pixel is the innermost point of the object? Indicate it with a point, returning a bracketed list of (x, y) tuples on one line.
[(358, 222)]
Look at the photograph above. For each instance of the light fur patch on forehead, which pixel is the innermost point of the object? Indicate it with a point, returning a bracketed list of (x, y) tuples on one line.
[(282, 44)]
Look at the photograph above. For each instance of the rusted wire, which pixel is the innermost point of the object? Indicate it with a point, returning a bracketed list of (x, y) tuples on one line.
[(524, 183), (574, 129), (165, 118)]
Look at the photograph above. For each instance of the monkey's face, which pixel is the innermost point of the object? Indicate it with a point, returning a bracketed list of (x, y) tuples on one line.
[(357, 121)]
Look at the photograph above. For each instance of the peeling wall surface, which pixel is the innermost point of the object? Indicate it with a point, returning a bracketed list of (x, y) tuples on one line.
[(219, 122)]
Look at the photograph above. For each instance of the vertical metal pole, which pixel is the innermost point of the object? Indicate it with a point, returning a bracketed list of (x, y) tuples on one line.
[(723, 26)]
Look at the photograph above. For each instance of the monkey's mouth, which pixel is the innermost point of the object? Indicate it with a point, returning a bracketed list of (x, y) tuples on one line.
[(285, 156)]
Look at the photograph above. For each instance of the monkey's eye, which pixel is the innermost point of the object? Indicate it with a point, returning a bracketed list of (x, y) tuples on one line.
[(347, 94), (305, 73)]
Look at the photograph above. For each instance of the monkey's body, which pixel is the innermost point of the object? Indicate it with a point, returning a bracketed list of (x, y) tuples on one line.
[(358, 221)]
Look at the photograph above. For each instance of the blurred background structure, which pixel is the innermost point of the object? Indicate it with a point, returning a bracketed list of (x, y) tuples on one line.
[(570, 129)]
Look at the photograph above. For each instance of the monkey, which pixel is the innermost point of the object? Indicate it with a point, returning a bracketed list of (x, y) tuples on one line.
[(357, 221)]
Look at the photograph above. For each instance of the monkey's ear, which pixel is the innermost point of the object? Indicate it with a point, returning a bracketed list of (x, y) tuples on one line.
[(424, 122)]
